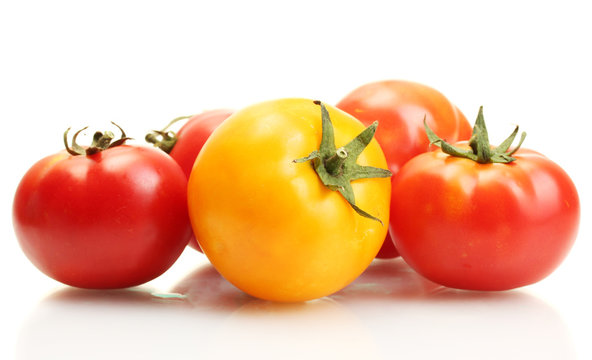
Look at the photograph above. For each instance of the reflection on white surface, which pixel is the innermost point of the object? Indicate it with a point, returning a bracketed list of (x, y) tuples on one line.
[(319, 329), (389, 312), (79, 324), (416, 319)]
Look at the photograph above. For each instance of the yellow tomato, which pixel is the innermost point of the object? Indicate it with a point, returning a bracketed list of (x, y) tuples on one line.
[(268, 224)]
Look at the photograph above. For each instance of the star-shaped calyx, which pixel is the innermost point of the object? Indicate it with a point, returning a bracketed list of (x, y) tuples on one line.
[(337, 167), (480, 150), (101, 141)]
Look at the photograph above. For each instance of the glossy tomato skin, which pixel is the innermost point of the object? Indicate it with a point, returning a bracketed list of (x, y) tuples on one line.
[(191, 138), (268, 224), (114, 219), (400, 107), (483, 226)]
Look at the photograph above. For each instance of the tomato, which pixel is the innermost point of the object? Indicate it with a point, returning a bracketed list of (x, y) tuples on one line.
[(483, 225), (268, 223), (111, 219), (400, 107), (388, 249), (184, 145)]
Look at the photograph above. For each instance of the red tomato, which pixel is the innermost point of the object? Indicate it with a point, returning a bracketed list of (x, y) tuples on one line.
[(483, 226), (113, 219), (185, 145), (192, 136), (400, 107), (388, 249)]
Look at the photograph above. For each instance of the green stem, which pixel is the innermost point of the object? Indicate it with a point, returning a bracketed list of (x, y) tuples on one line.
[(481, 150), (101, 141), (334, 164), (165, 139), (337, 168)]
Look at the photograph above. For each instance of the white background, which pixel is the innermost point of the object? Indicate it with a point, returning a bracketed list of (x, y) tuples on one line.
[(141, 63)]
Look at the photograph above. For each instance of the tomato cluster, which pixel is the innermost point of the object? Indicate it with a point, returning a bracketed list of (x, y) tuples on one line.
[(292, 199)]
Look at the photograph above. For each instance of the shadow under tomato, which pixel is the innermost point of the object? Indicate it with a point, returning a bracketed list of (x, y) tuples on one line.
[(267, 329), (134, 296), (387, 279), (206, 289)]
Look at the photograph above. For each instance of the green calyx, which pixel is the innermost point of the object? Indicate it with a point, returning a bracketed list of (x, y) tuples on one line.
[(101, 141), (337, 167), (164, 139), (480, 150)]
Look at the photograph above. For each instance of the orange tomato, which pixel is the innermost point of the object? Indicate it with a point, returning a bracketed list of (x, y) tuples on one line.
[(268, 224)]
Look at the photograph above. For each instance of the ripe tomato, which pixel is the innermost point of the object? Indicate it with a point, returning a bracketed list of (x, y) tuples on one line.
[(473, 224), (112, 219), (268, 224), (184, 145), (400, 107)]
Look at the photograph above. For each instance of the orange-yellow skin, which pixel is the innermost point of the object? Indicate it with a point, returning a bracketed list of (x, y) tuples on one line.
[(269, 225)]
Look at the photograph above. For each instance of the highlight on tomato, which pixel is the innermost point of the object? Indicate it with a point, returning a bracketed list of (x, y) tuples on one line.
[(289, 199), (472, 216), (185, 144), (106, 216), (400, 107)]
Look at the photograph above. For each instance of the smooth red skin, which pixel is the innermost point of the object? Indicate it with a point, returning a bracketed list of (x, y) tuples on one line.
[(483, 227), (388, 249), (192, 136), (114, 219), (400, 107), (190, 139)]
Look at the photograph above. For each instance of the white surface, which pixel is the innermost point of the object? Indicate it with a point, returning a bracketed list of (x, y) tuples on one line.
[(69, 63)]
